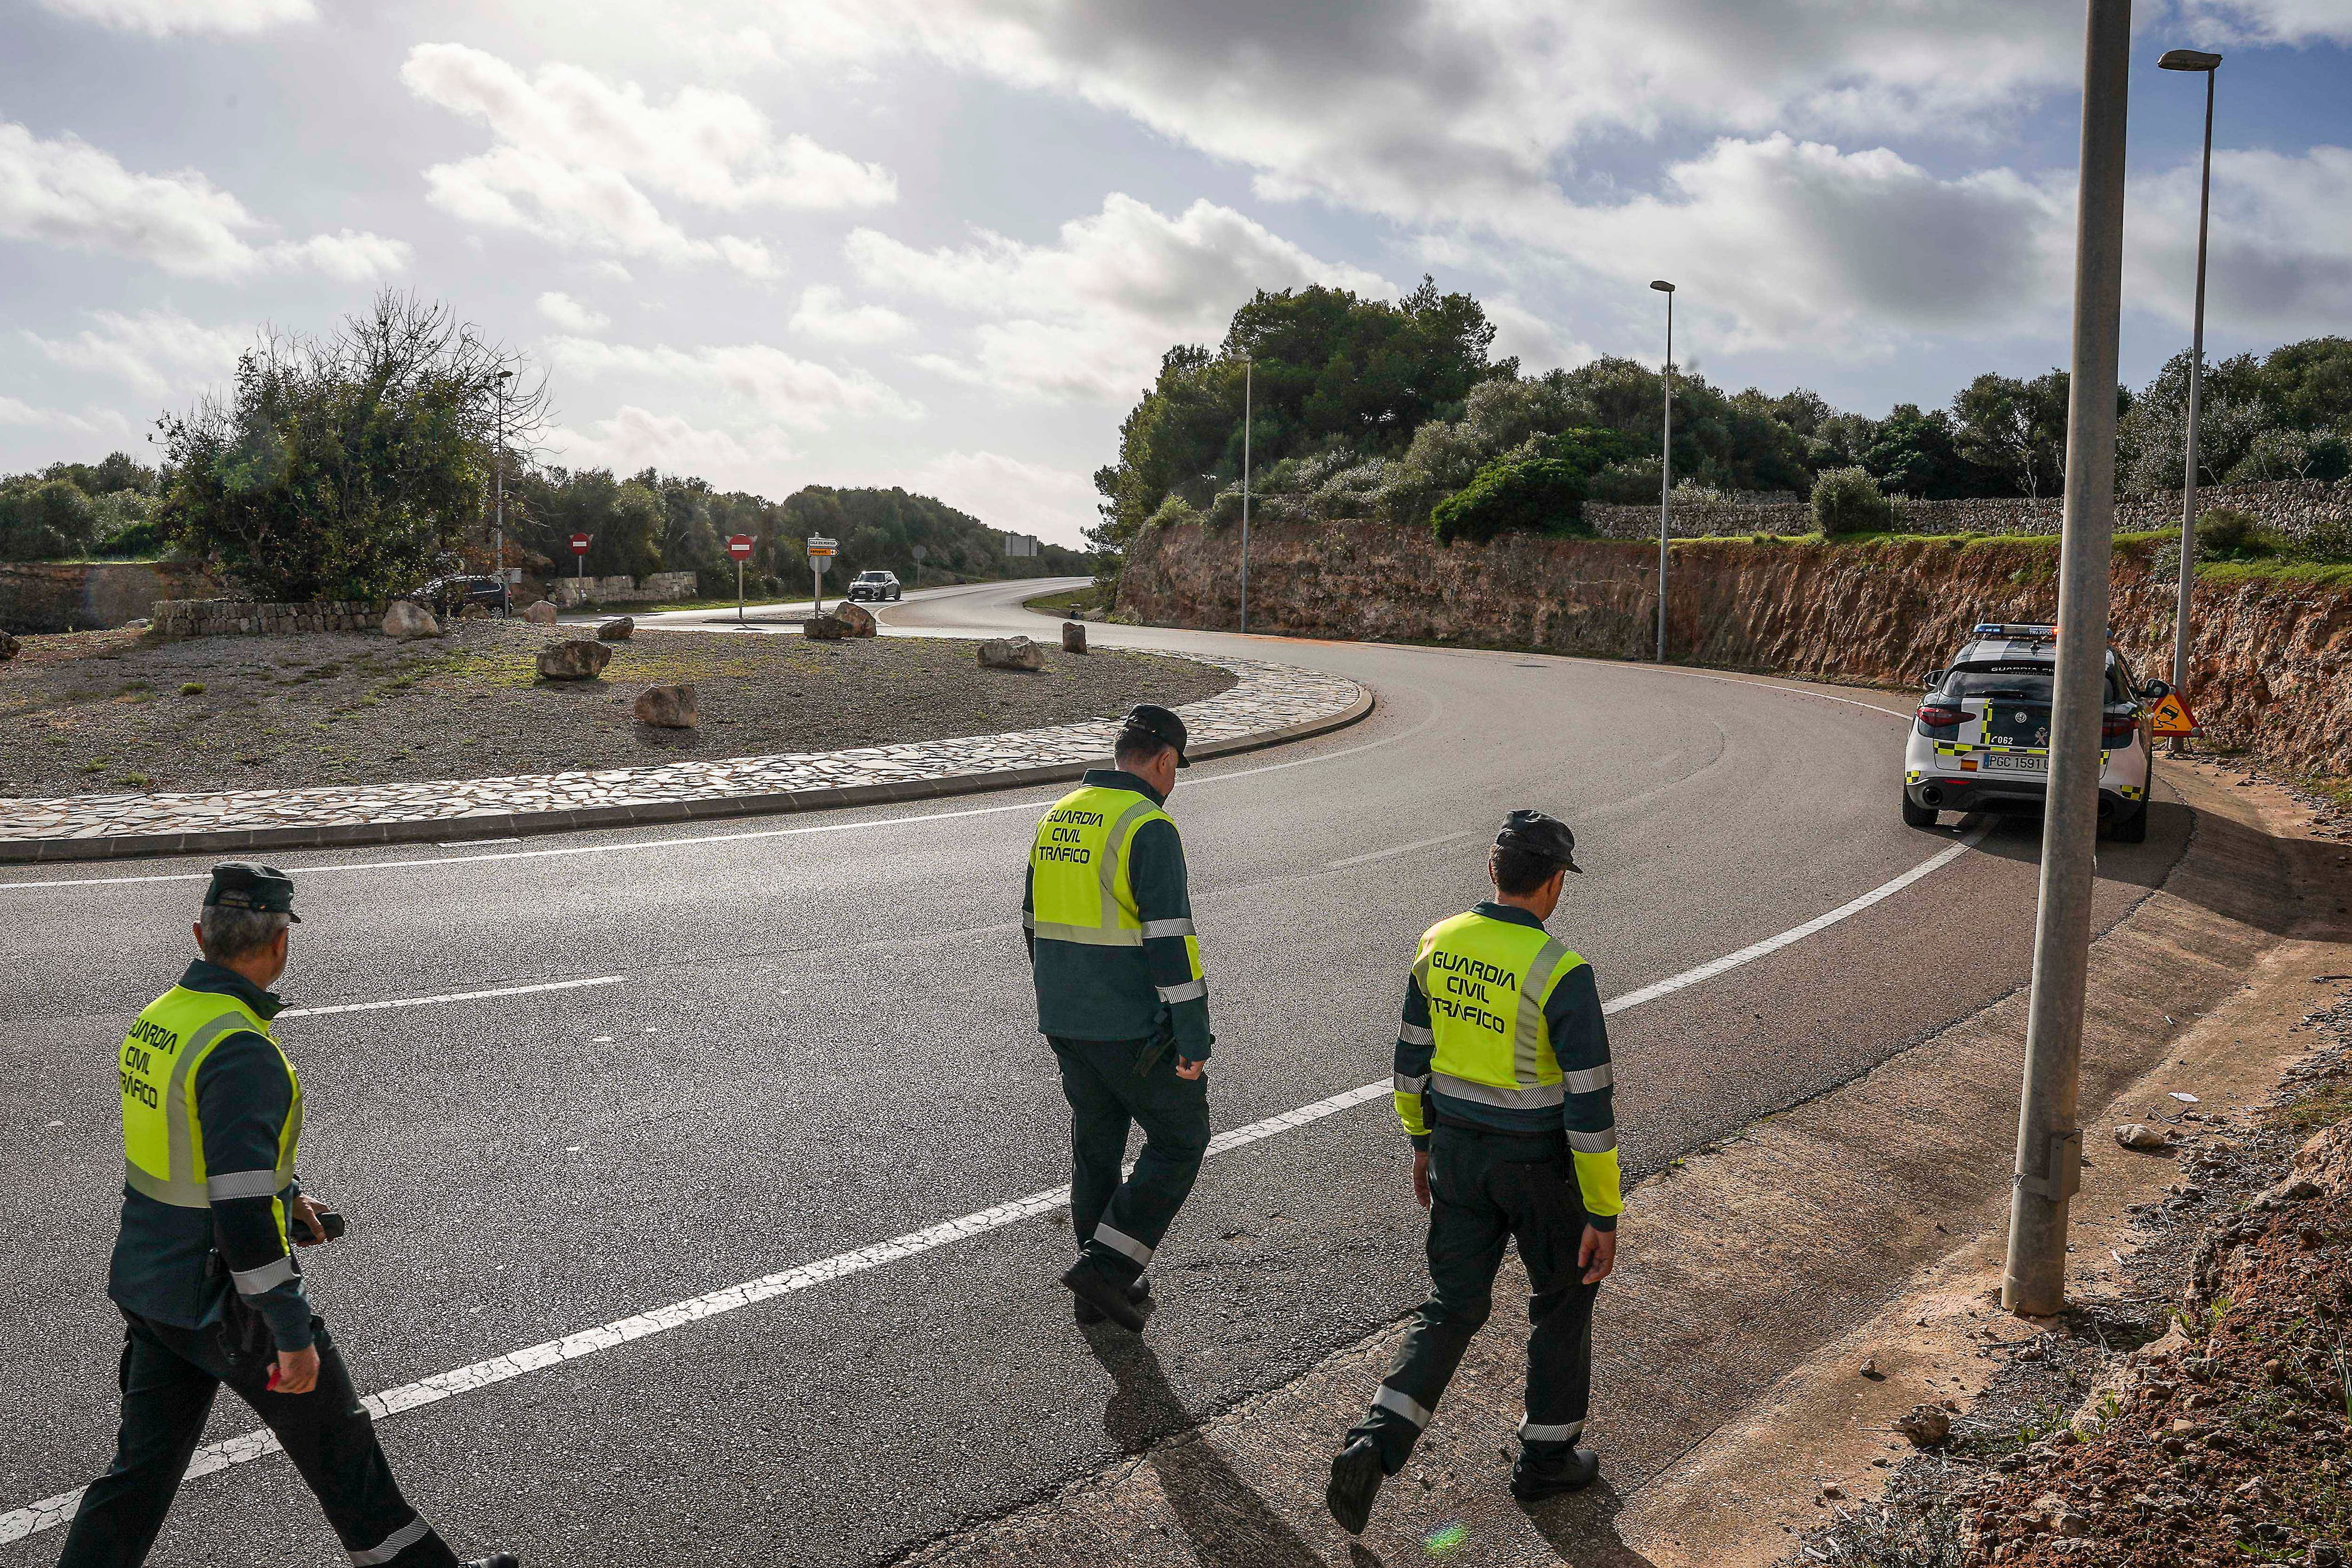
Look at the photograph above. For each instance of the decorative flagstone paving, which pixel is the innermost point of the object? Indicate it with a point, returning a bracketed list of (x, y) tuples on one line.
[(1271, 702)]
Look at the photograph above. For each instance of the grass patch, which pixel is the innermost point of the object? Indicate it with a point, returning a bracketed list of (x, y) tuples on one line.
[(1065, 604), (2323, 1106), (192, 688), (2323, 573)]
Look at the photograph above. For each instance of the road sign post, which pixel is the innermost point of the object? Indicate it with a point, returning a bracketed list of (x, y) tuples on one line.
[(919, 553), (2049, 1144), (580, 558), (2172, 721), (820, 553), (739, 545)]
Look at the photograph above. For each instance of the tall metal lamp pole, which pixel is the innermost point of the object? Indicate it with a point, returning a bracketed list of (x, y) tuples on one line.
[(498, 512), (1249, 368), (1665, 465), (2192, 60)]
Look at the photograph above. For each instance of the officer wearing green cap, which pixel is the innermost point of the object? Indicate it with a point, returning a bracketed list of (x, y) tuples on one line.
[(1108, 919), (1503, 1081), (205, 1269)]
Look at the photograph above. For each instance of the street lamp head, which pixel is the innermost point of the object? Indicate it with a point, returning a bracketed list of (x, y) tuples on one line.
[(2188, 61), (506, 375), (1663, 287)]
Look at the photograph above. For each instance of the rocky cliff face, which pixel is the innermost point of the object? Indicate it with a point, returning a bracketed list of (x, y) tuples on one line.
[(2271, 661)]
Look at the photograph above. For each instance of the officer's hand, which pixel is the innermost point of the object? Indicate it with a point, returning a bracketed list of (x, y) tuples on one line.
[(1597, 1253), (1188, 1071), (307, 1231), (1421, 1177), (296, 1372)]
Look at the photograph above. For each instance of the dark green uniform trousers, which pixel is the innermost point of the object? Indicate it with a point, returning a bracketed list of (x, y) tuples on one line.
[(169, 1377), (1486, 1188), (1112, 1085)]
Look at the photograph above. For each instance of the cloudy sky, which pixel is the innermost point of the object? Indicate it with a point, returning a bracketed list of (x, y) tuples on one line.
[(943, 243)]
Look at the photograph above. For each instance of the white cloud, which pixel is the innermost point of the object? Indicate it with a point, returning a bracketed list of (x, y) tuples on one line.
[(2259, 22), (1538, 343), (573, 156), (104, 422), (569, 314), (1008, 493), (1090, 314), (826, 314), (68, 192), (634, 438), (1791, 241), (2282, 241), (154, 351), (163, 18), (789, 391)]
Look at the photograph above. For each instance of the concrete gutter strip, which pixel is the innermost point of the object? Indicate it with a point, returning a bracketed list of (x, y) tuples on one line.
[(1345, 703)]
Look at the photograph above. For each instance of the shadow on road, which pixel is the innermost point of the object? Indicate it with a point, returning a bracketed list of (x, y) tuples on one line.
[(1229, 1525), (1583, 1528)]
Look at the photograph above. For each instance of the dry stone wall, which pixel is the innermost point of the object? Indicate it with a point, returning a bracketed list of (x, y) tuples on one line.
[(657, 589), (2271, 659), (241, 617), (77, 597), (2296, 509)]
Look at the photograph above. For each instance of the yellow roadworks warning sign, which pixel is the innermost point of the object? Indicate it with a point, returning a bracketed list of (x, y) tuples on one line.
[(2172, 717)]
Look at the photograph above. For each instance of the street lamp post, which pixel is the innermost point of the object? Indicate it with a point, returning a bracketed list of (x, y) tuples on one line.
[(498, 466), (1665, 465), (1249, 368), (2049, 1143), (2192, 60)]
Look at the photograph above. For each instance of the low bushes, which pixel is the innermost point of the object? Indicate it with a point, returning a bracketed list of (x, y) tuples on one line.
[(1848, 500)]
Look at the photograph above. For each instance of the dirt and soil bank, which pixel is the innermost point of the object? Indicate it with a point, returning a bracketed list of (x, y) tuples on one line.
[(2271, 659)]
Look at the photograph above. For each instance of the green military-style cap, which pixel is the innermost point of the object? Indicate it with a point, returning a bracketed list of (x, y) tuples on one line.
[(242, 885)]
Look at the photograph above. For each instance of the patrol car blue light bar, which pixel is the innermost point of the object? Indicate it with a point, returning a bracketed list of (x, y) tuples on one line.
[(2015, 629)]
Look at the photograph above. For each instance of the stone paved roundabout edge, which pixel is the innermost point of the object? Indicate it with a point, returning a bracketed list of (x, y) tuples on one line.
[(1270, 704)]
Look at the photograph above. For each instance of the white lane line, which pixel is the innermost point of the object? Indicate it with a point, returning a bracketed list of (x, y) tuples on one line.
[(1399, 849), (637, 844), (50, 1513), (452, 996), (1795, 934)]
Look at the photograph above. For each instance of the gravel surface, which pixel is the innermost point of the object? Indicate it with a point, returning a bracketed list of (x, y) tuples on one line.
[(108, 711), (2228, 1439)]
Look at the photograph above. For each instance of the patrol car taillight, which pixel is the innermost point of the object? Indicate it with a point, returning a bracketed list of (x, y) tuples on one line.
[(1936, 716), (2117, 728)]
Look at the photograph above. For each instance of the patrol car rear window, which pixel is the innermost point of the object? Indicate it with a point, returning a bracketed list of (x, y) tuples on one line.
[(2018, 681)]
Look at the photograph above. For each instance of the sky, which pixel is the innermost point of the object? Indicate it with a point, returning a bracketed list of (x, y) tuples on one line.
[(943, 243)]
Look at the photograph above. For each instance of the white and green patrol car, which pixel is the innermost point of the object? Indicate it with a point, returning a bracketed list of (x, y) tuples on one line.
[(1982, 740)]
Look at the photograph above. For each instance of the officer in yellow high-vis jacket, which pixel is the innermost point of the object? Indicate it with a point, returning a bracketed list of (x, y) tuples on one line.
[(204, 1268), (1503, 1080), (1108, 918)]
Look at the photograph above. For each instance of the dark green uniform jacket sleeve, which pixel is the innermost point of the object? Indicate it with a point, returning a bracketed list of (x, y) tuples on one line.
[(243, 1099), (1579, 1039), (1156, 872)]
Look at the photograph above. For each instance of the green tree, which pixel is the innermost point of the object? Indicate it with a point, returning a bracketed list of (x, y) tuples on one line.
[(2015, 429), (1848, 500), (345, 467), (46, 520)]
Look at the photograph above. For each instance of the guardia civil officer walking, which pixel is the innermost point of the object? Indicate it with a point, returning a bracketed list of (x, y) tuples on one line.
[(1109, 921), (1503, 1080), (204, 1268)]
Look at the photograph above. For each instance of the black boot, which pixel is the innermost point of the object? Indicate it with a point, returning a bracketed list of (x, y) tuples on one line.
[(497, 1560), (1533, 1479), (1093, 1286), (1088, 1314), (1356, 1477)]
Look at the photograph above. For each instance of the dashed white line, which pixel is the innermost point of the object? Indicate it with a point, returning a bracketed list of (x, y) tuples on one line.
[(50, 1513), (452, 996)]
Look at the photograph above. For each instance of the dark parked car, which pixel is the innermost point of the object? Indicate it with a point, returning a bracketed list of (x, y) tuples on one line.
[(446, 597), (874, 585)]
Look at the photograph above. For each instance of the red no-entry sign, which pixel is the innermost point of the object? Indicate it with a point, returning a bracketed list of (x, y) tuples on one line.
[(739, 546), (578, 544)]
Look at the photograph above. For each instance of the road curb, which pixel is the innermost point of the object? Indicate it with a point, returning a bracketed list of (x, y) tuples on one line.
[(343, 835)]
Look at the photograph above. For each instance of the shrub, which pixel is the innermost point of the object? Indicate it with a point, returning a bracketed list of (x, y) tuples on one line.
[(48, 521), (1173, 512), (2226, 534), (1533, 493), (1848, 500)]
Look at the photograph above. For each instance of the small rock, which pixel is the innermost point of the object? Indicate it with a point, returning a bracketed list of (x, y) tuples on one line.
[(856, 617), (1926, 1425), (1011, 653), (669, 707), (576, 659), (2311, 1237), (1832, 1490), (9, 646), (541, 614), (1869, 1368), (2302, 1189), (825, 628), (2324, 1554), (1074, 636), (617, 630), (2137, 1135), (408, 620), (478, 612)]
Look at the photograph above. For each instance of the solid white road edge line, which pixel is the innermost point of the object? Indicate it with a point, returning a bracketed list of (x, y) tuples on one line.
[(50, 1512), (452, 996)]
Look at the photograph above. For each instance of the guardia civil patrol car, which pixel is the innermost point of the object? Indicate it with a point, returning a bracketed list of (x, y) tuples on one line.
[(1982, 740)]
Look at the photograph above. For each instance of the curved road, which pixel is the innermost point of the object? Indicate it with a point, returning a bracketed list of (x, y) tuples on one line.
[(824, 1039)]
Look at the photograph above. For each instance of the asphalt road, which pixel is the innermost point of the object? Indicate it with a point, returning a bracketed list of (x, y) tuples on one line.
[(825, 1038)]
